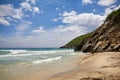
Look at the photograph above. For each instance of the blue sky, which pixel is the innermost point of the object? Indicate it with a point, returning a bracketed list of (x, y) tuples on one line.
[(50, 23)]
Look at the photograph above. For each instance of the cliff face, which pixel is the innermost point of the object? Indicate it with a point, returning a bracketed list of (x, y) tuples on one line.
[(105, 38)]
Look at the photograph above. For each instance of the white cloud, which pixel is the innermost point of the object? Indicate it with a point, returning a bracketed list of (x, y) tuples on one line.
[(18, 14), (26, 6), (6, 10), (83, 19), (9, 10), (39, 30), (33, 2), (4, 22), (36, 10), (72, 13), (23, 26), (110, 9), (57, 19), (106, 2), (70, 29), (87, 1), (8, 13)]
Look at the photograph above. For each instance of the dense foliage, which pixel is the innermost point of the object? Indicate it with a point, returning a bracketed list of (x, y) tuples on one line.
[(113, 15), (76, 41)]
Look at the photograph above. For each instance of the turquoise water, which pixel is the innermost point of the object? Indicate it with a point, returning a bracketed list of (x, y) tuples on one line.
[(12, 56), (19, 63)]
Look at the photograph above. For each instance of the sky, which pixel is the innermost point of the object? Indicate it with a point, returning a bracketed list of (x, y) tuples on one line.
[(49, 23)]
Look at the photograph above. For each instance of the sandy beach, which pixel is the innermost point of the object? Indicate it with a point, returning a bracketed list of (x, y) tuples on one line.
[(40, 71), (47, 71), (98, 66)]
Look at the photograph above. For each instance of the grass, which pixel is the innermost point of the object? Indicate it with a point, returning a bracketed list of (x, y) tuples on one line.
[(113, 15), (77, 40)]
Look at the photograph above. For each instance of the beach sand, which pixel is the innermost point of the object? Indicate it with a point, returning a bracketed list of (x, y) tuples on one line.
[(51, 70), (40, 71), (98, 66)]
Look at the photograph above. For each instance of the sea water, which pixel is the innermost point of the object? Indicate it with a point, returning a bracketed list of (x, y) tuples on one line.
[(13, 61)]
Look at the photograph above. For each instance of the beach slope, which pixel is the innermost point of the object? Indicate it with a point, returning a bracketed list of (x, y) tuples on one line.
[(98, 66)]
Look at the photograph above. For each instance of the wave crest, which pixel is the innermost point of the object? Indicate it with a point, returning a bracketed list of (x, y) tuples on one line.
[(46, 60)]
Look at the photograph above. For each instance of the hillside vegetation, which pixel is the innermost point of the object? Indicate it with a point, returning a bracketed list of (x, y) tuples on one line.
[(75, 41), (112, 15)]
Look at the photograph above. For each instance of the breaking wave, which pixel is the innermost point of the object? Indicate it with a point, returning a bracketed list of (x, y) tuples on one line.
[(46, 60)]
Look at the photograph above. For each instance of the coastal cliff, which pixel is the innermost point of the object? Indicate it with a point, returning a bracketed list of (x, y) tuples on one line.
[(106, 38)]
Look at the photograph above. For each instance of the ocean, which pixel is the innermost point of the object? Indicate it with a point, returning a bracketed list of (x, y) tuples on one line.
[(16, 62)]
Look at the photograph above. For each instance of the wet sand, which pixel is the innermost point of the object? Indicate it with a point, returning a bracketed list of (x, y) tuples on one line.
[(40, 71), (98, 66)]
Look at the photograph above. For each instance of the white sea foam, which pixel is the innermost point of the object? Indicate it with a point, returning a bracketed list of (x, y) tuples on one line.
[(28, 53), (73, 53), (18, 51), (15, 51), (46, 60), (41, 52)]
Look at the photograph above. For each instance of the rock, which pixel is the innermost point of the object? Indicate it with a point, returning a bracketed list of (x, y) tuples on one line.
[(105, 38), (116, 47), (87, 48), (89, 78)]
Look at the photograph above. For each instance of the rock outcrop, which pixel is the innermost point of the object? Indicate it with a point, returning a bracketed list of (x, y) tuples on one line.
[(105, 38)]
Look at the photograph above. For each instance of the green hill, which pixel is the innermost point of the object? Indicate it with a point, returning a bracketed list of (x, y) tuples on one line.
[(75, 41), (112, 15)]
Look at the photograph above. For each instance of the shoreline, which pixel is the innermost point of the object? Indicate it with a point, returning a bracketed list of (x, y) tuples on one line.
[(40, 71), (98, 66), (67, 64)]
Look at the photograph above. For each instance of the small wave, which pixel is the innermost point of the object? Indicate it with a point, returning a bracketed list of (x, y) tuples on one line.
[(18, 51), (73, 53), (2, 52), (46, 60), (40, 51), (13, 53)]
